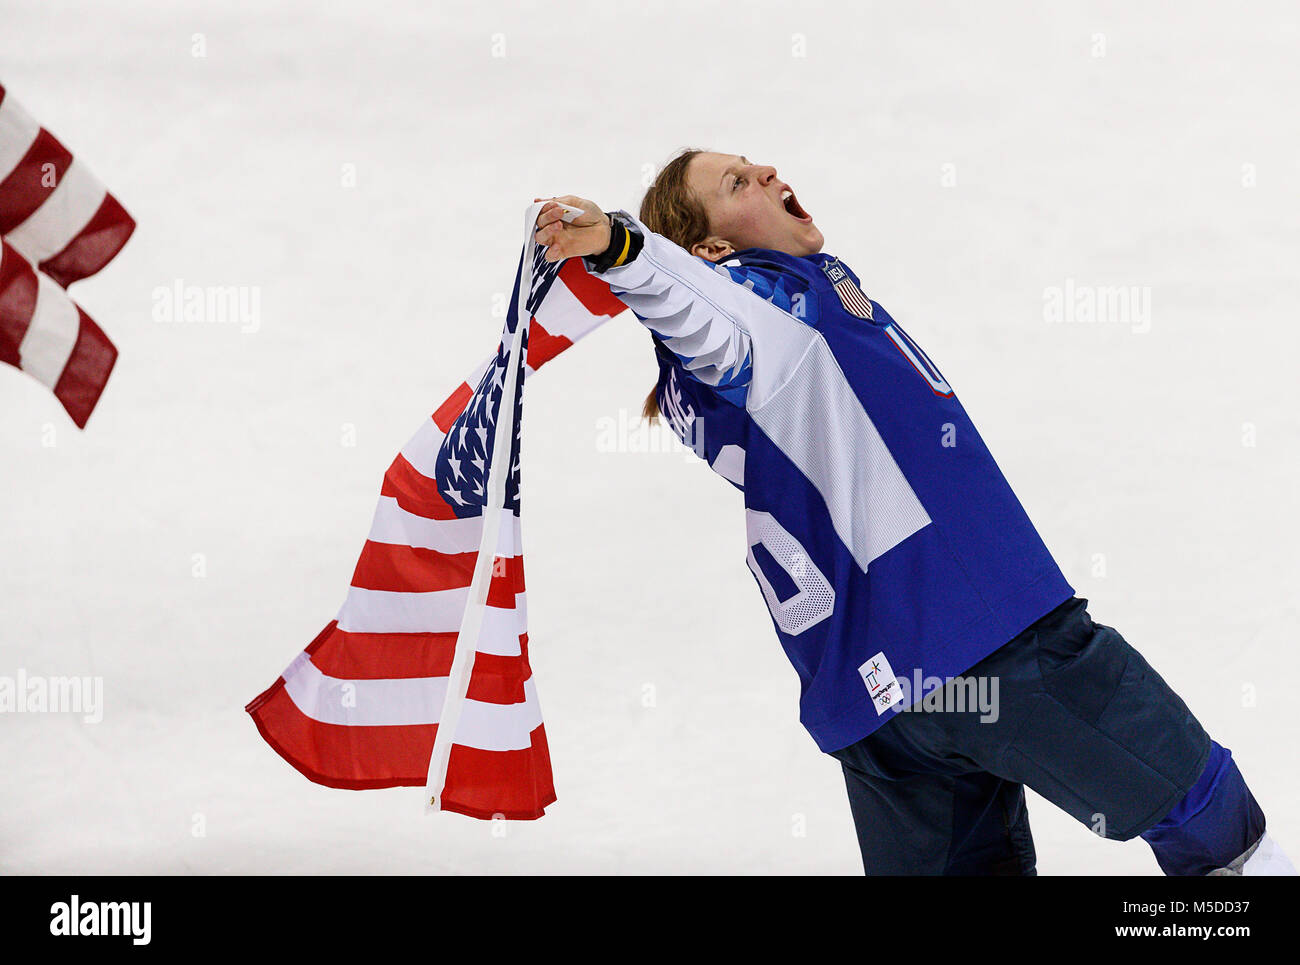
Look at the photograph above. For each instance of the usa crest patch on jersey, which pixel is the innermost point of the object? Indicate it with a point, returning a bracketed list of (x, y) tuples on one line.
[(851, 296)]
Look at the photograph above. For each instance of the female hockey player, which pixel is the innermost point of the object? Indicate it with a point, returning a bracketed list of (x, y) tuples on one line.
[(891, 551)]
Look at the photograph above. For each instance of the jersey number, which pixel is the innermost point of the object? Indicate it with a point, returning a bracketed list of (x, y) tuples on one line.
[(814, 598)]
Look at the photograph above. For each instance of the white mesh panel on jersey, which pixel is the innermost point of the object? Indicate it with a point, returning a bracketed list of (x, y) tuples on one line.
[(816, 597), (817, 421)]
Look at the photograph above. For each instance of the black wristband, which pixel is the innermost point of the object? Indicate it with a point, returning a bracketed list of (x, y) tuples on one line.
[(624, 244)]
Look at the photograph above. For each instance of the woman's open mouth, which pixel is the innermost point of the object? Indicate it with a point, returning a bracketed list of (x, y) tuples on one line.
[(792, 206)]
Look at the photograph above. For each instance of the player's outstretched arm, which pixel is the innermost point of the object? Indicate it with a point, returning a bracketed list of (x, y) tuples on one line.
[(698, 312)]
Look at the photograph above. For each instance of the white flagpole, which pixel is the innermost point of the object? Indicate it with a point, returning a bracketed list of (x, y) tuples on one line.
[(462, 662)]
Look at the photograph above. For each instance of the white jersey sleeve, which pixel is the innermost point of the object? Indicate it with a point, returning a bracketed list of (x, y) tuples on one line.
[(698, 312)]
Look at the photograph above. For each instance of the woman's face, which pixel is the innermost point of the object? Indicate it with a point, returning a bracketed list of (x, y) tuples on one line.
[(749, 207)]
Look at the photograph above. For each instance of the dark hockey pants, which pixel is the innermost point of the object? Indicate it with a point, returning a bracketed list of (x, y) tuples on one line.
[(1082, 719)]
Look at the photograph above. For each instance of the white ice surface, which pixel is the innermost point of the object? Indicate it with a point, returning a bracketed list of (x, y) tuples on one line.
[(1122, 169)]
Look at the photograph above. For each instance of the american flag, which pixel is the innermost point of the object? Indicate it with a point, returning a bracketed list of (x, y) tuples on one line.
[(58, 225), (423, 678)]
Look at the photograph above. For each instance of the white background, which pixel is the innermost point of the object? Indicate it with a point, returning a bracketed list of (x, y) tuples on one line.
[(1089, 141)]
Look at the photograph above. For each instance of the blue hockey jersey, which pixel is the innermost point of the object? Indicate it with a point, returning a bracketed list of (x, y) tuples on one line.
[(885, 540)]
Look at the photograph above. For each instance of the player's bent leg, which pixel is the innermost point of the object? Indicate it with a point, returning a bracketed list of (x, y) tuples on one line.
[(1114, 746), (1217, 828), (1082, 718), (1101, 735)]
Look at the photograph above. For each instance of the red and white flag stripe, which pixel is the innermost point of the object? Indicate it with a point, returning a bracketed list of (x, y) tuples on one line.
[(52, 209), (47, 335), (58, 224)]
